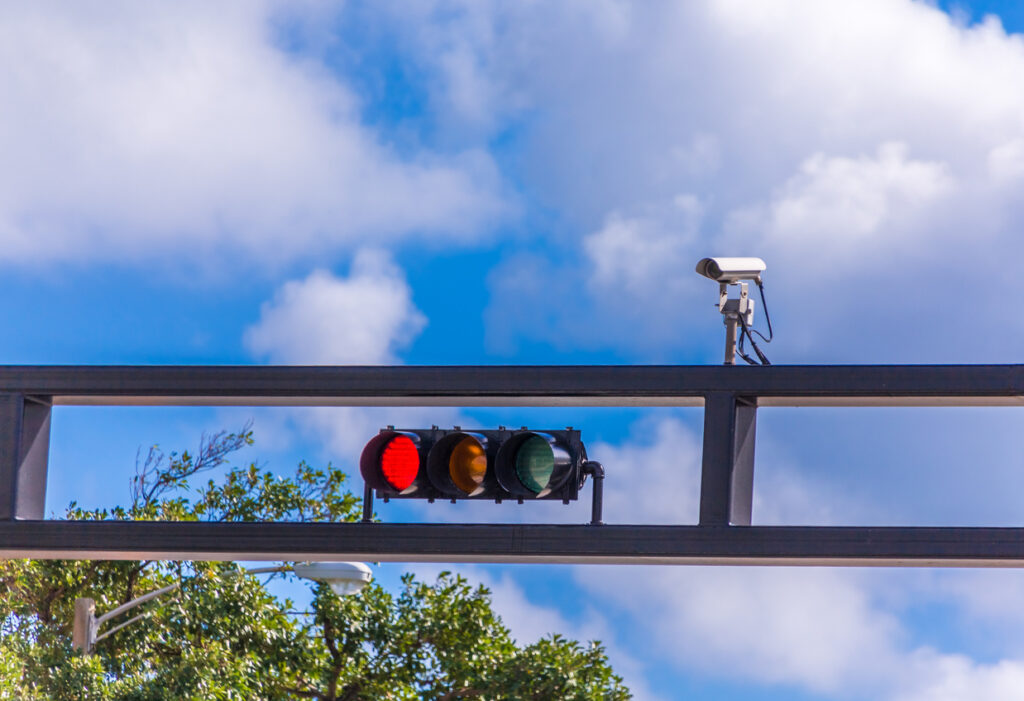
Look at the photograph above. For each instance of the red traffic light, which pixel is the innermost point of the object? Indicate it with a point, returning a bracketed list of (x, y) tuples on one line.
[(391, 462)]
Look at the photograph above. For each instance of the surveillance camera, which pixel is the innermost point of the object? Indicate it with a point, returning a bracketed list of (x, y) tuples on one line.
[(731, 270)]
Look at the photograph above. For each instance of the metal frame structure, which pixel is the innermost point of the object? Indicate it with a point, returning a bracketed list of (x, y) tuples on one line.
[(730, 397)]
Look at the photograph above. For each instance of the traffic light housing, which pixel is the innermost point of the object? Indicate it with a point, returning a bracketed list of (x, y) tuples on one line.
[(455, 464)]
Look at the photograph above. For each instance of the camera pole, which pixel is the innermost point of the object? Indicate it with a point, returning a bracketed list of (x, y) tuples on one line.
[(730, 339), (731, 310)]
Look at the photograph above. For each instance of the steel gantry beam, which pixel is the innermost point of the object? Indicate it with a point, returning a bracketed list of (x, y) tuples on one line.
[(516, 543), (730, 397), (509, 385)]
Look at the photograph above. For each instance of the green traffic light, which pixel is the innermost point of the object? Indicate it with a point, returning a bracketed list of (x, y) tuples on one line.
[(535, 461)]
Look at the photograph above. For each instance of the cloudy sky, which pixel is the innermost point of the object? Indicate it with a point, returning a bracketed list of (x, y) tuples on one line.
[(522, 182)]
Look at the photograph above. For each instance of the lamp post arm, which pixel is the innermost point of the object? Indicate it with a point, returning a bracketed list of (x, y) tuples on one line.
[(100, 620), (267, 570), (135, 602), (119, 626), (87, 624)]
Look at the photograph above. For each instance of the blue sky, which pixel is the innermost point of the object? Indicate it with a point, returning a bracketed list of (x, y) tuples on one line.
[(486, 182)]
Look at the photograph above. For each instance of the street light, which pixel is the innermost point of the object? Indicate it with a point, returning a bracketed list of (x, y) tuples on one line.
[(344, 578)]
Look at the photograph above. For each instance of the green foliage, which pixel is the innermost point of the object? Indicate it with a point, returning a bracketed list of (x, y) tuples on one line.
[(221, 634)]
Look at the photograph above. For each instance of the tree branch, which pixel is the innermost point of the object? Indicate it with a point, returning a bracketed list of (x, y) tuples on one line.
[(332, 685)]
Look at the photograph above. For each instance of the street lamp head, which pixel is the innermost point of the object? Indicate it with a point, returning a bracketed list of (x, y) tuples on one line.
[(344, 578)]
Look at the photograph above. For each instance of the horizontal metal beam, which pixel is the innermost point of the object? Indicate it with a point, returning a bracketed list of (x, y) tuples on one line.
[(506, 543), (636, 385)]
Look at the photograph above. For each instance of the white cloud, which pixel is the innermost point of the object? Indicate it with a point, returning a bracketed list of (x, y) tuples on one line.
[(878, 123), (958, 678), (1006, 161), (848, 131), (837, 206), (835, 632), (827, 631), (987, 603), (656, 480), (366, 318), (342, 432), (812, 628), (640, 255), (359, 320), (184, 130)]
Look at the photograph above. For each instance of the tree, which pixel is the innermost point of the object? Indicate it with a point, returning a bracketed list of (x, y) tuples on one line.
[(223, 635)]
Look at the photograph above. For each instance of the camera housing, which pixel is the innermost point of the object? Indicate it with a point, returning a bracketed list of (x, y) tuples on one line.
[(731, 270)]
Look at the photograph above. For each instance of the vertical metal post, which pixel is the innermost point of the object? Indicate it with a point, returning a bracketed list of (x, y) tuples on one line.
[(367, 503), (24, 454), (730, 339), (596, 471), (728, 308), (83, 633), (727, 471)]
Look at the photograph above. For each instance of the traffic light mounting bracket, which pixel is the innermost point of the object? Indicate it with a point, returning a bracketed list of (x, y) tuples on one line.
[(596, 472)]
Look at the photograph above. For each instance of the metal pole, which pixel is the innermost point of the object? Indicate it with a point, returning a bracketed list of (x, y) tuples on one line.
[(367, 503), (24, 449), (596, 470), (727, 468), (730, 339), (84, 629)]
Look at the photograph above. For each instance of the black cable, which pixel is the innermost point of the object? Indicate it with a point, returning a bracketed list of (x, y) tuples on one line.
[(764, 305), (750, 361), (745, 331), (762, 356), (739, 346)]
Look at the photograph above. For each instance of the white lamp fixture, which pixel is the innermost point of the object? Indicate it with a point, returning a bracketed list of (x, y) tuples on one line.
[(344, 578)]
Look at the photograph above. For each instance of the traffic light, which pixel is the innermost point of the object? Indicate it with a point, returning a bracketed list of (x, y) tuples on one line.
[(455, 464)]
